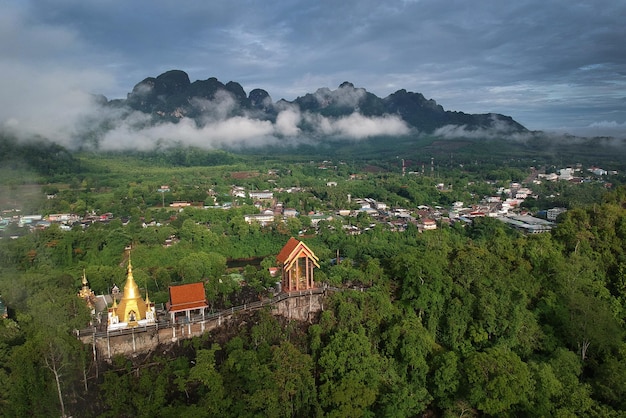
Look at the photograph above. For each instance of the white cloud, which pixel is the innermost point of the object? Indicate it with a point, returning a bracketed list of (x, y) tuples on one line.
[(222, 105), (610, 128), (287, 122), (43, 89), (343, 96), (244, 132), (357, 126), (498, 129), (235, 132), (51, 104), (607, 128)]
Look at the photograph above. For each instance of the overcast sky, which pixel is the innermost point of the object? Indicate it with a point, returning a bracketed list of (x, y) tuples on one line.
[(550, 64)]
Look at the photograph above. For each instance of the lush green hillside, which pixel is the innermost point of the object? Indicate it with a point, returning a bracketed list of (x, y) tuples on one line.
[(478, 320)]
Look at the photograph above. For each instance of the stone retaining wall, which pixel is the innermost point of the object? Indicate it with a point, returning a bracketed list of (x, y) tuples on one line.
[(301, 307)]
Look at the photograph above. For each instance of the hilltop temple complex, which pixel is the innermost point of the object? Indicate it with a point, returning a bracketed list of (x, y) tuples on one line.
[(296, 264), (132, 325)]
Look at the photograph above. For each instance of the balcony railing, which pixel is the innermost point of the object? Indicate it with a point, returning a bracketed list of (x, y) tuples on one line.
[(198, 318)]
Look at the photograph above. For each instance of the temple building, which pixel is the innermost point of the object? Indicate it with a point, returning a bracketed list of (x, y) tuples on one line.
[(187, 298), (297, 262), (132, 310)]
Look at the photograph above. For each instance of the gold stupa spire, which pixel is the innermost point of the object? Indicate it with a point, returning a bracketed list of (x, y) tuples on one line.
[(131, 290), (132, 307), (86, 293), (147, 297)]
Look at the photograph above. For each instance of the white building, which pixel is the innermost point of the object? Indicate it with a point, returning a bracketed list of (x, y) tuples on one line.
[(238, 191), (265, 218), (566, 174), (261, 195), (381, 206), (553, 213)]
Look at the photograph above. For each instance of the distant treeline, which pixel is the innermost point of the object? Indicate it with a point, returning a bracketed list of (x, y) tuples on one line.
[(37, 155)]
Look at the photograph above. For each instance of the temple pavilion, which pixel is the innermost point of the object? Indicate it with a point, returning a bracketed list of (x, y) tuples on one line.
[(187, 298), (132, 310), (297, 262)]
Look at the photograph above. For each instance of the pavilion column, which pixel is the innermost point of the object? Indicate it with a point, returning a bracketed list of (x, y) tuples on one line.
[(308, 273), (297, 274)]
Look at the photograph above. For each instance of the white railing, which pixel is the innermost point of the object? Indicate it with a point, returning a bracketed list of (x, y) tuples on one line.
[(167, 323)]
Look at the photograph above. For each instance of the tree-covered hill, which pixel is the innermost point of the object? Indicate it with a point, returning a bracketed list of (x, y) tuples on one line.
[(474, 321), (38, 155)]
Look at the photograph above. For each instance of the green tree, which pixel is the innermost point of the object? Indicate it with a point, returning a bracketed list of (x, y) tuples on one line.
[(117, 389), (543, 400), (213, 399), (47, 364), (445, 381), (201, 265), (609, 383), (497, 379), (590, 324), (350, 375), (407, 347), (425, 283), (292, 372), (575, 397)]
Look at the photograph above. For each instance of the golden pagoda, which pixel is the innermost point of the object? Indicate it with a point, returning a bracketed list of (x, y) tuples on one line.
[(132, 309), (87, 294)]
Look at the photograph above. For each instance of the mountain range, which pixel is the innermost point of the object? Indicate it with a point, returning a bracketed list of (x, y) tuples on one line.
[(171, 96)]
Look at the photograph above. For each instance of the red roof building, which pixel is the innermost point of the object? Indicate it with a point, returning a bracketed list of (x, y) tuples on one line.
[(297, 262), (186, 298)]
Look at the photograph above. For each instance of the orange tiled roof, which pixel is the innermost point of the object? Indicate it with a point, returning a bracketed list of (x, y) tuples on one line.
[(294, 249), (284, 254), (187, 296)]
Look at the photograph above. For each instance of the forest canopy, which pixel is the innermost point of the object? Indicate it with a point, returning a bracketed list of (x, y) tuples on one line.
[(474, 320)]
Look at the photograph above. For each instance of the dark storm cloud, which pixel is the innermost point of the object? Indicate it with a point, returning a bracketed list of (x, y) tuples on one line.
[(558, 65)]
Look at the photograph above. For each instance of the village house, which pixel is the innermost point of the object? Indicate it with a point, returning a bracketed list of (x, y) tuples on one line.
[(264, 218), (428, 224), (180, 204), (552, 214), (261, 195), (238, 191), (290, 213)]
